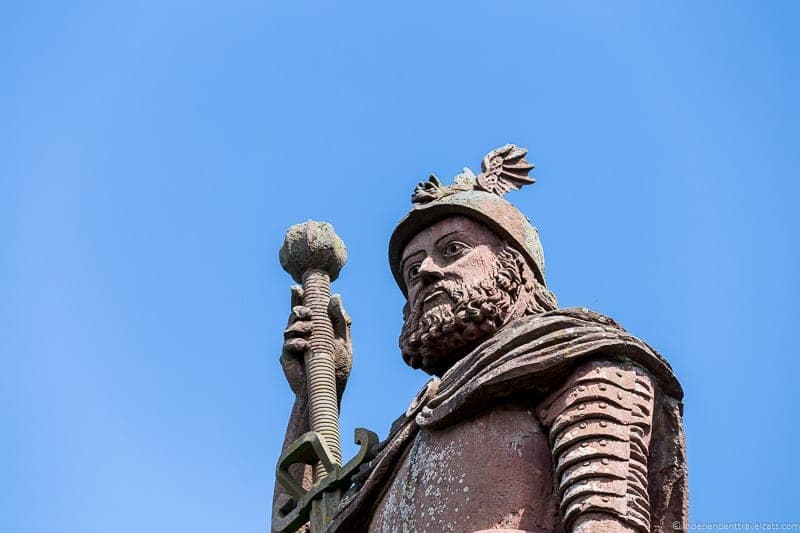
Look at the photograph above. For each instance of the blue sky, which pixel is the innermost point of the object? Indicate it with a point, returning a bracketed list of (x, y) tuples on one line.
[(153, 154)]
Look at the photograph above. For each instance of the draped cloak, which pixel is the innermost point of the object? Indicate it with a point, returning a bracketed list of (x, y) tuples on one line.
[(530, 358)]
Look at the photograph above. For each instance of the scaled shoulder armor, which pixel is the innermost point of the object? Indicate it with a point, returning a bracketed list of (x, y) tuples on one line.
[(599, 422)]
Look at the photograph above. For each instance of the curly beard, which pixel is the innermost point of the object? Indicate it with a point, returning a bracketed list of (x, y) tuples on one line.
[(434, 339)]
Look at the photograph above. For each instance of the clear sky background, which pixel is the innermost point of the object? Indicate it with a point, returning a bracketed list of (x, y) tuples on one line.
[(152, 155)]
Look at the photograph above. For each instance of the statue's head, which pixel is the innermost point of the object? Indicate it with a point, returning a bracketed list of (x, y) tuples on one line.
[(468, 262)]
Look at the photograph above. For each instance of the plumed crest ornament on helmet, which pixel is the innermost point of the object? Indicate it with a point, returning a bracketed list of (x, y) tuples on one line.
[(503, 169), (479, 197)]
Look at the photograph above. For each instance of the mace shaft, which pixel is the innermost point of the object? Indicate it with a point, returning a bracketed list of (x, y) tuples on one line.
[(320, 367)]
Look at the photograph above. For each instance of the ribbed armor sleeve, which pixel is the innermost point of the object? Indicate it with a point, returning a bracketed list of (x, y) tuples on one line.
[(599, 424)]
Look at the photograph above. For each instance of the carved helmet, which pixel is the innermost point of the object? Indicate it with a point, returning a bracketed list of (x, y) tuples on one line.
[(479, 197)]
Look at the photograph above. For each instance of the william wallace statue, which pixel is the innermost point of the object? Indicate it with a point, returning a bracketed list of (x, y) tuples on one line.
[(537, 418)]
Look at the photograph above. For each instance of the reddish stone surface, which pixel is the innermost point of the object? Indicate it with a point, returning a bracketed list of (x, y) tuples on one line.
[(544, 419), (491, 471)]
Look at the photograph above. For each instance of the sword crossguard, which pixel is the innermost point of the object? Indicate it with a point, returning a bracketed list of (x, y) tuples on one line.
[(310, 449)]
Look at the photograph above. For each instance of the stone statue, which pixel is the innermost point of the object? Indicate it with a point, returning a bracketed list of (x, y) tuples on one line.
[(538, 418)]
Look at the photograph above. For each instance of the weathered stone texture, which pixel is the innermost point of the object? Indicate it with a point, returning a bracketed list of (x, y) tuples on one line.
[(490, 471), (539, 418)]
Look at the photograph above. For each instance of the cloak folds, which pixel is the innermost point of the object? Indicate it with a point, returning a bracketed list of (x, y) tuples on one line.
[(530, 358)]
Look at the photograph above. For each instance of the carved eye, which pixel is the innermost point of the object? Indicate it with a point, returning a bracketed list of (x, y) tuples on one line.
[(412, 273), (454, 248)]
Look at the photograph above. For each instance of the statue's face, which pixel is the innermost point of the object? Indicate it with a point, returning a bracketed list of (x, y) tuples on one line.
[(451, 272), (456, 248)]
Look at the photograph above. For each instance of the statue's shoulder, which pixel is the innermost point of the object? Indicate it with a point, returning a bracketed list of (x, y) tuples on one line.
[(590, 335), (534, 354)]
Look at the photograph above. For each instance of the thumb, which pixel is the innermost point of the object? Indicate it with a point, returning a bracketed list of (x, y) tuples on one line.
[(340, 320), (297, 296)]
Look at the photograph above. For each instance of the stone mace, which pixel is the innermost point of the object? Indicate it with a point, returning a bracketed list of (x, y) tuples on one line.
[(313, 255)]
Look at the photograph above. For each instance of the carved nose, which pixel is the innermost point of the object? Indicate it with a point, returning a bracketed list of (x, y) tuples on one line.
[(429, 271)]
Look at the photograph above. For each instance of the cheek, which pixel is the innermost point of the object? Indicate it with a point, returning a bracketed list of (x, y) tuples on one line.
[(474, 266), (412, 296)]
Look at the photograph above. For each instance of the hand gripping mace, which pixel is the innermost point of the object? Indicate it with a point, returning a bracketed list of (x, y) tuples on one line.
[(313, 255)]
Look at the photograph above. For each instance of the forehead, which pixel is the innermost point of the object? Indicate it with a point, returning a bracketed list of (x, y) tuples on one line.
[(457, 225)]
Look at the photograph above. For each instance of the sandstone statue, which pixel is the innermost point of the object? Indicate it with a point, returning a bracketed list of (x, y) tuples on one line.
[(537, 418)]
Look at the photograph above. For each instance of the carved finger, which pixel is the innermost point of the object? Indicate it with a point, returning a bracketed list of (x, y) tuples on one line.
[(295, 346), (300, 312), (299, 328)]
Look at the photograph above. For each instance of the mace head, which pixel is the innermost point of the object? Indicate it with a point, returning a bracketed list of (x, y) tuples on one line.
[(312, 245)]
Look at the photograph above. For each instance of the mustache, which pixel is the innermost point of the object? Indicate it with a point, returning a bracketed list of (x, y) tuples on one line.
[(450, 287)]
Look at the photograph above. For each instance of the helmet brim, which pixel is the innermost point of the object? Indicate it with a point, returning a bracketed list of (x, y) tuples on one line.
[(496, 213)]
